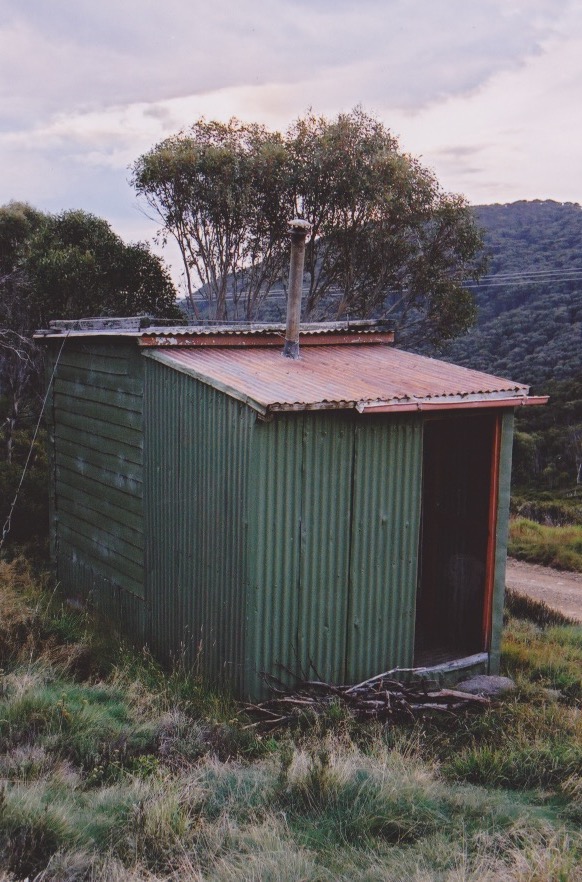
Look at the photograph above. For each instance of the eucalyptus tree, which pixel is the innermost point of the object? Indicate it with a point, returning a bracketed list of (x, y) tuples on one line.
[(385, 238), (221, 191)]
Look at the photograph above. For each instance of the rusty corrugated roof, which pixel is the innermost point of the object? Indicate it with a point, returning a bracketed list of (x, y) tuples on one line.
[(368, 378)]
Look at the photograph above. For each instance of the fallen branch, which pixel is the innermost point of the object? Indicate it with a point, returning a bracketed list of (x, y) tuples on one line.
[(379, 698)]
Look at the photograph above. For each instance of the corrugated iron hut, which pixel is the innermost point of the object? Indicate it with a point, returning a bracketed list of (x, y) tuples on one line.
[(346, 511)]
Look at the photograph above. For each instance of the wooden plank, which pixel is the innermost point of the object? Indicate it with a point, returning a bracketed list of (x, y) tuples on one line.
[(103, 350), (71, 439), (112, 562), (111, 462), (94, 426), (69, 485), (107, 412), (98, 477), (127, 542), (126, 401), (88, 378), (101, 508), (491, 535), (98, 361), (114, 567), (101, 323)]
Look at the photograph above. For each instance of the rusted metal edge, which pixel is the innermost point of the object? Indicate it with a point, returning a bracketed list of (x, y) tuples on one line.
[(487, 615), (404, 406), (329, 338)]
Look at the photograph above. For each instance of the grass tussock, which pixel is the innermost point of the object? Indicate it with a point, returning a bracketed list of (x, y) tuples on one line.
[(550, 656), (552, 546), (519, 606), (37, 626), (114, 769)]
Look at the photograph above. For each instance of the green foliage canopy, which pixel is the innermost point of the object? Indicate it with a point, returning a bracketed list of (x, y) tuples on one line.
[(70, 265), (385, 239)]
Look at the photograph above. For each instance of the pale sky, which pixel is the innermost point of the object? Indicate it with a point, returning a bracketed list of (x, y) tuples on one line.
[(487, 93)]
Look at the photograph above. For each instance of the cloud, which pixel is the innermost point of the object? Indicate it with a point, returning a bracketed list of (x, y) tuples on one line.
[(67, 57), (485, 92), (520, 129)]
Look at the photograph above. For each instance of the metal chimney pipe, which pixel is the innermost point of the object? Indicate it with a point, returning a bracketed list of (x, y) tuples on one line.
[(299, 230)]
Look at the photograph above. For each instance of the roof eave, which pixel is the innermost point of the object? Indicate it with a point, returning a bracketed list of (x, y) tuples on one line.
[(454, 403), (408, 406)]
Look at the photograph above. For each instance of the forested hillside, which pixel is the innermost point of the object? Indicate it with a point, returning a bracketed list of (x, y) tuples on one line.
[(529, 324), (529, 328)]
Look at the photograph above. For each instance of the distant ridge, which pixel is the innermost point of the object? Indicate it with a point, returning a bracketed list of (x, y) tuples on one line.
[(529, 325)]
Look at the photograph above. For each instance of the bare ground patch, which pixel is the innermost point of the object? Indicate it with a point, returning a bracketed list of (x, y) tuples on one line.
[(558, 589)]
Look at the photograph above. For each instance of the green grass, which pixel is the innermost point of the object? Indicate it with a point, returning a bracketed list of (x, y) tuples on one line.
[(559, 547), (116, 770)]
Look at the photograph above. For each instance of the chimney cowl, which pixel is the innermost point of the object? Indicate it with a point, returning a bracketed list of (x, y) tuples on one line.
[(300, 226)]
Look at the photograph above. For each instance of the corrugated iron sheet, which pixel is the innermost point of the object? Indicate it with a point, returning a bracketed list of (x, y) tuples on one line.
[(384, 545), (273, 575), (335, 377), (326, 518), (149, 335), (299, 560), (332, 571), (196, 475)]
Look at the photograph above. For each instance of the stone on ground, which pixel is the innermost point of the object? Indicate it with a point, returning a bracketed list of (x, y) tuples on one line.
[(486, 684)]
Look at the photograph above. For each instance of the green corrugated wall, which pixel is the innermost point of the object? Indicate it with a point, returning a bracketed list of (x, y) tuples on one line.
[(384, 559), (197, 476), (332, 574), (96, 454), (281, 546)]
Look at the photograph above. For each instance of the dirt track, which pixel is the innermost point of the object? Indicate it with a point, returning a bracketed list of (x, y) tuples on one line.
[(560, 590)]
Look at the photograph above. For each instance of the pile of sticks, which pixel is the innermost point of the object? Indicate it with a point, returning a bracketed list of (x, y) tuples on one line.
[(378, 698)]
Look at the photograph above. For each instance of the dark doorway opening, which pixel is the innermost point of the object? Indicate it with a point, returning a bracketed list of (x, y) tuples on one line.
[(457, 522)]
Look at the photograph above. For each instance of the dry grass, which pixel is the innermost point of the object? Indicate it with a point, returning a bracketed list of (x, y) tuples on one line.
[(126, 772), (35, 627), (559, 547)]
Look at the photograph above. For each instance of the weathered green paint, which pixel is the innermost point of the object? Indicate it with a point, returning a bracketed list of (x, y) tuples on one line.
[(299, 524), (332, 568), (502, 530), (384, 544), (96, 455), (196, 465)]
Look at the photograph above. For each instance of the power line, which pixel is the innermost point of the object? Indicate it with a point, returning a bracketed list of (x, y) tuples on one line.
[(533, 273), (523, 280), (8, 522)]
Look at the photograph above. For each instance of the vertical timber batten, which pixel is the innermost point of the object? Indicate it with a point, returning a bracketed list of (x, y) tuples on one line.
[(501, 534), (492, 534)]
